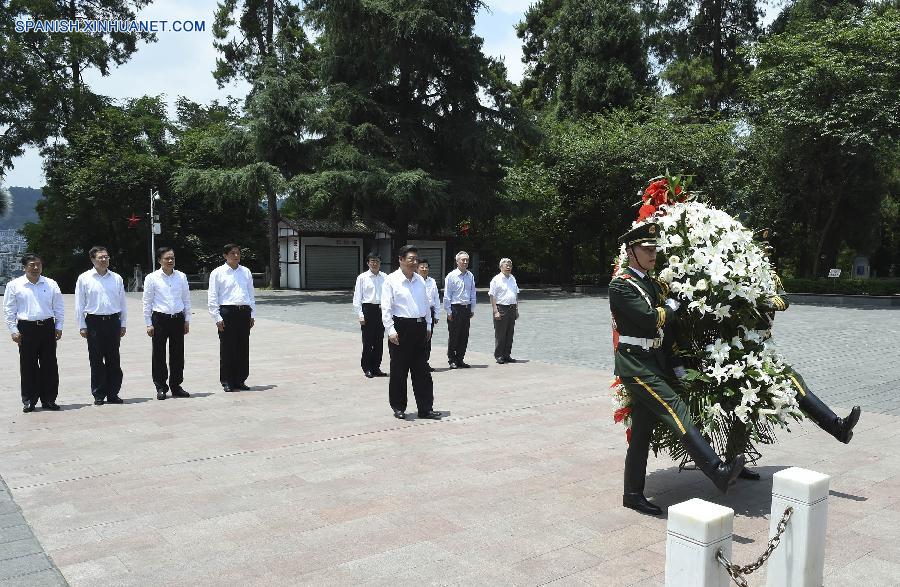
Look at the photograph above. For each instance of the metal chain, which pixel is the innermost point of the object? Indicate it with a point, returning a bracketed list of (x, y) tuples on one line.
[(736, 572)]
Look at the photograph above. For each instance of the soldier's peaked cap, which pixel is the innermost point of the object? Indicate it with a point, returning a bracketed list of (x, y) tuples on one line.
[(643, 234)]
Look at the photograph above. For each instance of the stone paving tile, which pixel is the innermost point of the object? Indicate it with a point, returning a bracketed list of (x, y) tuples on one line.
[(309, 480)]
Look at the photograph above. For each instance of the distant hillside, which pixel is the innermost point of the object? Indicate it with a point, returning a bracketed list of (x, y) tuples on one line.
[(24, 200)]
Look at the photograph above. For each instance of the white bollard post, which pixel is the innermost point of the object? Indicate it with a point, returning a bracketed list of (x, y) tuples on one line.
[(695, 531), (799, 560)]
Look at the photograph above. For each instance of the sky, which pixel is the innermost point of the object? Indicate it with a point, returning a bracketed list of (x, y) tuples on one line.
[(181, 64)]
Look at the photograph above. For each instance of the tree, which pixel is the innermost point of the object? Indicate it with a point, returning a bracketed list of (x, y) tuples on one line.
[(824, 98), (700, 44), (95, 182), (414, 115), (271, 52), (49, 93), (577, 193), (582, 56)]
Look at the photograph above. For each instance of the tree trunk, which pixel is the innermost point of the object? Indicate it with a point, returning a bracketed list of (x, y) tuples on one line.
[(717, 57), (274, 260), (76, 69)]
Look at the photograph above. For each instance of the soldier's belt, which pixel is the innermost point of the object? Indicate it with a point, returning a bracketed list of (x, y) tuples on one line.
[(644, 343)]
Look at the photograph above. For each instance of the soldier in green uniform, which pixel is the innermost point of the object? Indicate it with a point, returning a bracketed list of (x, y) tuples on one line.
[(641, 312), (814, 408)]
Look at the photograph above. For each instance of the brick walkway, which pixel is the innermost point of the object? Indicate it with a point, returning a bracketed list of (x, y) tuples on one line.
[(307, 479)]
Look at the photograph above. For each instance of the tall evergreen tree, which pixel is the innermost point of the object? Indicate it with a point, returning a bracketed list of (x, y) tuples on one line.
[(699, 44), (414, 114), (270, 51), (582, 56)]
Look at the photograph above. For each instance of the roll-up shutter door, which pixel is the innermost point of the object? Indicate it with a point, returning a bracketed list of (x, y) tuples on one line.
[(332, 267), (435, 264)]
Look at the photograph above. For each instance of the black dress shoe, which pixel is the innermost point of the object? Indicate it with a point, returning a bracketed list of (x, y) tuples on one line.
[(464, 365), (399, 415), (27, 408), (511, 360), (227, 388), (638, 502), (748, 474), (380, 373), (368, 374), (179, 392), (99, 402), (432, 415), (161, 394), (453, 366), (115, 400), (242, 387), (501, 360), (52, 406)]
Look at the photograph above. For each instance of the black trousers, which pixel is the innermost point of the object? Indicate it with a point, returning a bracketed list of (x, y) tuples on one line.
[(169, 329), (372, 338), (459, 333), (37, 362), (504, 329), (642, 423), (104, 337), (408, 357), (234, 345), (428, 344)]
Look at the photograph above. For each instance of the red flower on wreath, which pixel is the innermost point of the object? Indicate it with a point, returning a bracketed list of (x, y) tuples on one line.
[(621, 414), (645, 212), (657, 193)]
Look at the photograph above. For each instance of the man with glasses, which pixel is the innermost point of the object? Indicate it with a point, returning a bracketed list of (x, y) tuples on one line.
[(367, 305), (167, 313), (406, 315), (101, 312), (459, 303), (33, 306), (232, 306)]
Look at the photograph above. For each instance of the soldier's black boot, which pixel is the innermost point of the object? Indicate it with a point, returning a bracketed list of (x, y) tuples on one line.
[(636, 467), (721, 474), (840, 428)]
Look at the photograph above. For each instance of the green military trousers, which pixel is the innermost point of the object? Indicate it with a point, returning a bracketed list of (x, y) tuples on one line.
[(655, 395)]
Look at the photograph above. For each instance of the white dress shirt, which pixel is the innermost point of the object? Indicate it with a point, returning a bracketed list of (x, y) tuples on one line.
[(434, 296), (99, 294), (404, 298), (230, 287), (167, 294), (367, 290), (24, 300), (459, 288), (504, 290)]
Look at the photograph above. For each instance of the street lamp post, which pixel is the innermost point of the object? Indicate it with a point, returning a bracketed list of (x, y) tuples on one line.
[(155, 228)]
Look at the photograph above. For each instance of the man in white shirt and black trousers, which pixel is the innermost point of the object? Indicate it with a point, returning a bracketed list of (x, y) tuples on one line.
[(406, 315), (504, 294), (33, 306), (101, 312), (167, 313), (434, 300), (459, 303), (367, 305), (232, 306)]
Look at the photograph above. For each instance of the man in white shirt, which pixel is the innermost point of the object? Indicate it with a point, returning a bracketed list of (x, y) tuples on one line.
[(367, 306), (406, 316), (232, 306), (101, 312), (459, 303), (167, 314), (33, 306), (434, 300), (504, 293)]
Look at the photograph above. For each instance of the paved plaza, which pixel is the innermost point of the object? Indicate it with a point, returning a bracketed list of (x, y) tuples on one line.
[(308, 479)]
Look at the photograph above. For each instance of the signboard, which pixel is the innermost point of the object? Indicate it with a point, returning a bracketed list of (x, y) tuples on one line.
[(157, 228), (834, 273)]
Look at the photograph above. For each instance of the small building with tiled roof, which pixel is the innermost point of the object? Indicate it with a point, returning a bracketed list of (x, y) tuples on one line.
[(326, 254)]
